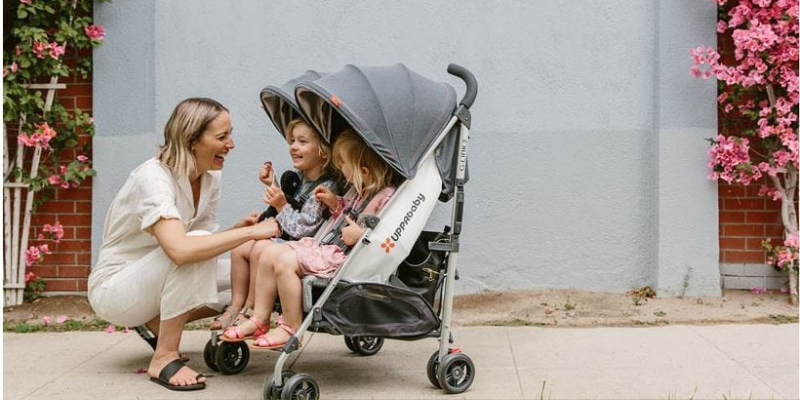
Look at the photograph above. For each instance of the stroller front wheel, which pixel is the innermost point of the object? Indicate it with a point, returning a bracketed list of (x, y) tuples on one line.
[(456, 373), (269, 392), (232, 357), (300, 386), (210, 355)]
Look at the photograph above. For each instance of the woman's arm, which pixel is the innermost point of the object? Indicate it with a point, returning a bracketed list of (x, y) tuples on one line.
[(183, 249)]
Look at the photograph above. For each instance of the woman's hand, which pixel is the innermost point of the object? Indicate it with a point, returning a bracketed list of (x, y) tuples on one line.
[(248, 220), (266, 174), (266, 229), (325, 196), (352, 232), (273, 195)]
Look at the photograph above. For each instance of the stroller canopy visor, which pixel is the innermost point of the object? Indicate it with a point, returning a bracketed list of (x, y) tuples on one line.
[(279, 103), (397, 112)]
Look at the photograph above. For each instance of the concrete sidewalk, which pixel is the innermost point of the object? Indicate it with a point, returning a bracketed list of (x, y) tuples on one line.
[(671, 362)]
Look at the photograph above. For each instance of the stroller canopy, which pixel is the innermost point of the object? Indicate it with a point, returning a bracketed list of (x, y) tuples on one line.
[(397, 112), (279, 103)]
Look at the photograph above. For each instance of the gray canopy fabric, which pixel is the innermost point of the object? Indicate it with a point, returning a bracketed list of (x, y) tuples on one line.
[(397, 112), (279, 102)]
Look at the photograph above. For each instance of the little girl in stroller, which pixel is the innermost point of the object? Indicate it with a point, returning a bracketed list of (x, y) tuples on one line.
[(282, 266), (311, 156)]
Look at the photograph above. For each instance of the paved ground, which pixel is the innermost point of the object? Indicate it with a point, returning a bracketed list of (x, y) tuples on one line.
[(671, 362)]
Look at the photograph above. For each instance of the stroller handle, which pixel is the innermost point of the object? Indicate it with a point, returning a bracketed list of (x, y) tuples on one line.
[(469, 79)]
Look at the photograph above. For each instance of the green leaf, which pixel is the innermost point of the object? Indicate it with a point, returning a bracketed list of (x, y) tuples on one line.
[(21, 13)]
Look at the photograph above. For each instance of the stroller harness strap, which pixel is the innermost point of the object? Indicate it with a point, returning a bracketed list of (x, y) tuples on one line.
[(334, 236)]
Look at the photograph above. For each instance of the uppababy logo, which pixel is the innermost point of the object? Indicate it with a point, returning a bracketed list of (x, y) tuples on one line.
[(410, 214)]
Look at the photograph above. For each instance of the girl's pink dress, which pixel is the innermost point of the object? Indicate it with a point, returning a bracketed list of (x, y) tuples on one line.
[(323, 261)]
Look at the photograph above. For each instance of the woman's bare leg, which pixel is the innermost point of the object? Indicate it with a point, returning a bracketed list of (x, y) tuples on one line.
[(169, 339)]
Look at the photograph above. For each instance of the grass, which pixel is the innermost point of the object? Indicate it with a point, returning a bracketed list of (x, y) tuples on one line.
[(72, 325), (779, 319)]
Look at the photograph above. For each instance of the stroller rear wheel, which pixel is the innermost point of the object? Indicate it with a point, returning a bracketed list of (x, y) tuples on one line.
[(232, 357), (269, 387), (364, 345), (456, 373), (300, 386), (433, 368), (210, 355)]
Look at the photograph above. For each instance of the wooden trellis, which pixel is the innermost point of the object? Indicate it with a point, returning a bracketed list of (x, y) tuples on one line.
[(16, 235)]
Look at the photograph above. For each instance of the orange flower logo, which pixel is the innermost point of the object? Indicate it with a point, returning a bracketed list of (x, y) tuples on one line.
[(388, 245), (335, 100)]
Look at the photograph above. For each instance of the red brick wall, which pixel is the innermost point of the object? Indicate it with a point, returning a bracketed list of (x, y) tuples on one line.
[(68, 267), (745, 219)]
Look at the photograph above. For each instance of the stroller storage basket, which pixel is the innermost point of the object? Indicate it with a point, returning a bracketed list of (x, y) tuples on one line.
[(373, 309)]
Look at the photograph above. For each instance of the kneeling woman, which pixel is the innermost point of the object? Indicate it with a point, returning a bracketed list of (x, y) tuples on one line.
[(157, 265)]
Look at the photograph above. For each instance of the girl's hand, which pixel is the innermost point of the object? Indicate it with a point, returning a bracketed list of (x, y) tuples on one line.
[(325, 196), (274, 196), (266, 174), (352, 232), (248, 220)]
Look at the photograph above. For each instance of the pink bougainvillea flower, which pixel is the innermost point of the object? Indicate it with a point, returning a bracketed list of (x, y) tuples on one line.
[(54, 180), (17, 51), (62, 169), (62, 319), (55, 231), (140, 371), (47, 320), (65, 185), (44, 249), (24, 140), (30, 276), (757, 290), (126, 330), (38, 49), (110, 328), (56, 51), (28, 2), (33, 256), (82, 158), (784, 289), (14, 67), (95, 32)]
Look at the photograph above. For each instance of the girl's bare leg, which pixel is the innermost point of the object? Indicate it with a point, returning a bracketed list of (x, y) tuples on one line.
[(287, 273), (240, 281), (255, 256), (265, 290)]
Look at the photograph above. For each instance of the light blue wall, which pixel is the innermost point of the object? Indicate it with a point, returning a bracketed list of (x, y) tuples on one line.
[(587, 148)]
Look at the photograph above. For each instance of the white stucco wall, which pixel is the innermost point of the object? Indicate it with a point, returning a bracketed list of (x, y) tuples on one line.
[(587, 147)]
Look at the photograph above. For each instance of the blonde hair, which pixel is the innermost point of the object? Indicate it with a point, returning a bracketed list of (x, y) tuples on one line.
[(185, 126), (323, 147), (351, 148)]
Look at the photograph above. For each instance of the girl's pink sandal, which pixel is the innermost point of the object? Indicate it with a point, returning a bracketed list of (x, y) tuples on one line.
[(232, 334), (264, 342)]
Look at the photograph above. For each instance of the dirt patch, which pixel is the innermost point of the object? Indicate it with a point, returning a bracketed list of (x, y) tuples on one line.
[(532, 308), (582, 308)]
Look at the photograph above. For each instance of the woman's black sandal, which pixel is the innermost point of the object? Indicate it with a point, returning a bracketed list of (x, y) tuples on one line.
[(170, 370)]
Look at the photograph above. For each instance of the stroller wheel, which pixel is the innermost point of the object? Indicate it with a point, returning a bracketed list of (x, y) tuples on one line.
[(268, 390), (209, 355), (232, 357), (348, 341), (456, 373), (366, 345), (433, 367), (300, 386)]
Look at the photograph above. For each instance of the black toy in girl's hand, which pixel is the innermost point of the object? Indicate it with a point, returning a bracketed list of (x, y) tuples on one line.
[(290, 182)]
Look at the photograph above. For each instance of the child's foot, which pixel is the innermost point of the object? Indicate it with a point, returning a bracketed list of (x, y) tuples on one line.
[(225, 319), (247, 330), (275, 338)]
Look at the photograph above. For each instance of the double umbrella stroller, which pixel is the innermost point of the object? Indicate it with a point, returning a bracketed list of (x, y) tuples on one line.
[(398, 280)]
